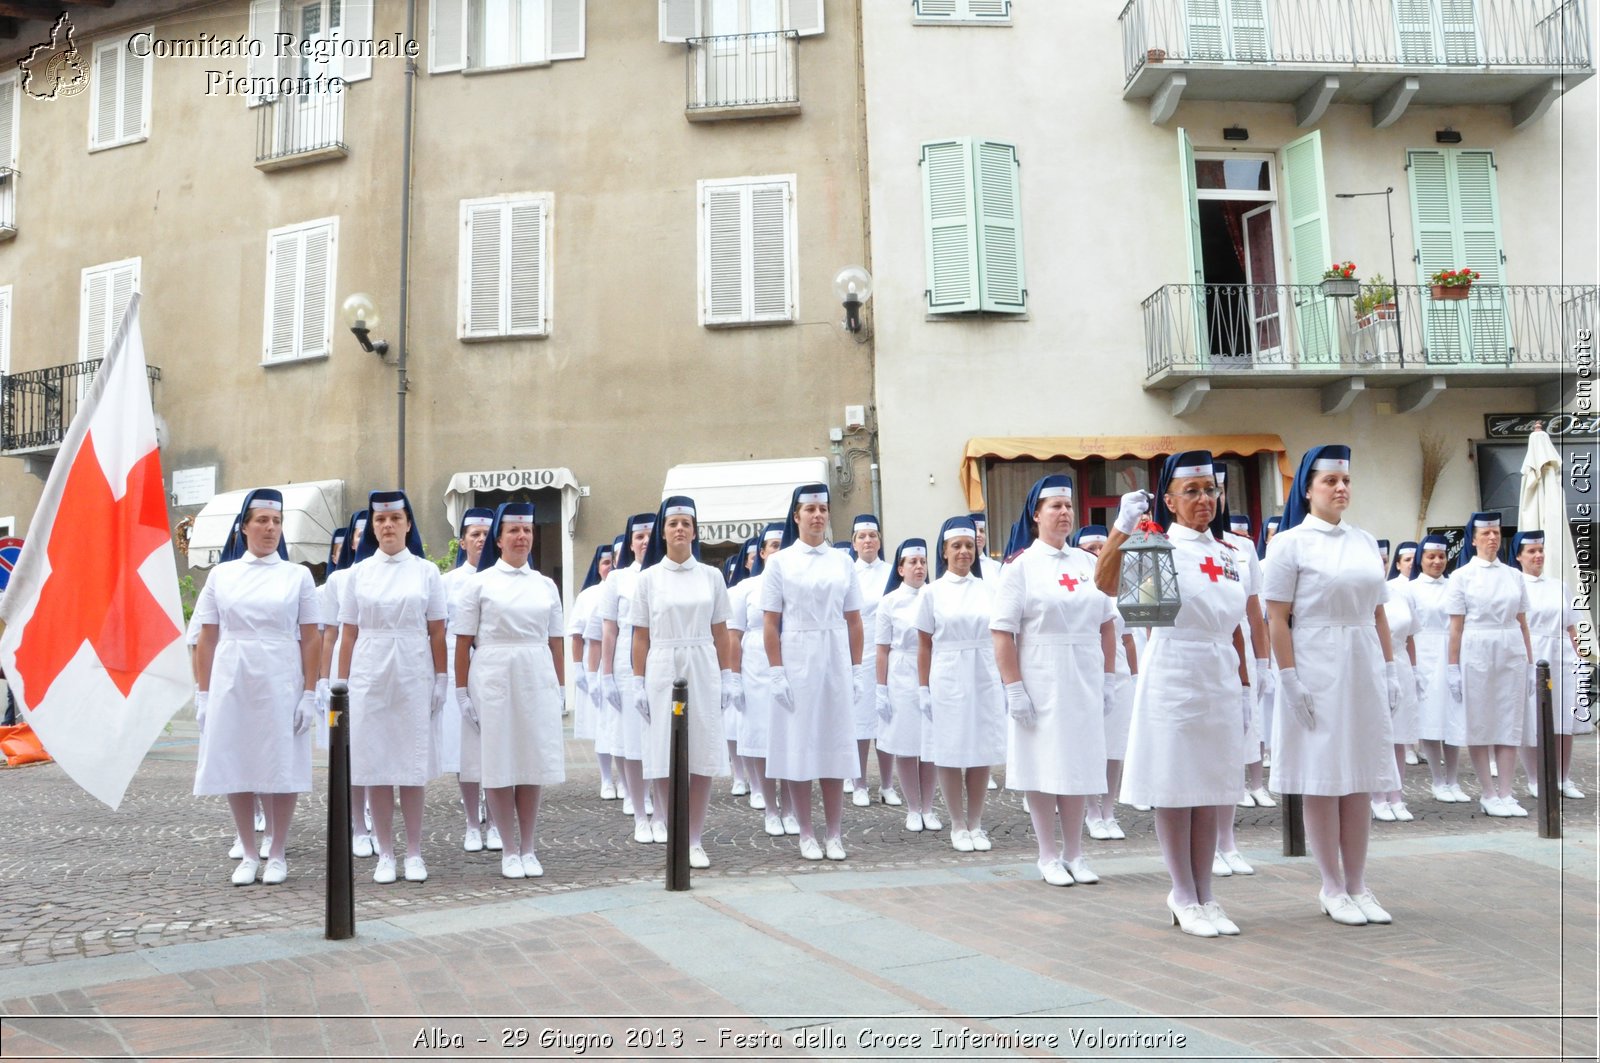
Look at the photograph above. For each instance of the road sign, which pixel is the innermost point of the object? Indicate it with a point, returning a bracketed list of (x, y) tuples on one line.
[(10, 550)]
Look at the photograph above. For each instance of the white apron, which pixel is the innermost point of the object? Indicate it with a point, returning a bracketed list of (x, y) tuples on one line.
[(895, 626), (870, 580), (1439, 717), (1550, 613), (749, 619), (1494, 659), (969, 713), (680, 604)]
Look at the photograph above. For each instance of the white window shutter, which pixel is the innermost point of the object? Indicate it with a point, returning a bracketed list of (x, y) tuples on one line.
[(726, 251), (989, 10), (1207, 39), (124, 282), (567, 29), (481, 266), (935, 9), (1248, 30), (9, 111), (356, 25), (263, 24), (527, 267), (447, 35), (107, 91), (771, 253), (316, 292), (283, 288), (1002, 288), (805, 17), (950, 226), (135, 108), (679, 20), (5, 330), (1459, 23), (93, 298), (1414, 25)]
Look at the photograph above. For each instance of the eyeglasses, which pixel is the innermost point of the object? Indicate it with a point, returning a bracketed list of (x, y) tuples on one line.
[(1191, 494)]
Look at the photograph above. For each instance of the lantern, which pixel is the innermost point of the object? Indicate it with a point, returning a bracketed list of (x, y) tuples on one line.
[(1147, 587)]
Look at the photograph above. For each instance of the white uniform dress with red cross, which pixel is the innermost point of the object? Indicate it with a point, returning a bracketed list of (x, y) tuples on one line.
[(748, 619), (895, 626)]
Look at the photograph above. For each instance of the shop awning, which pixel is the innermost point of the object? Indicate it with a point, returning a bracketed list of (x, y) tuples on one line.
[(1077, 448), (310, 513), (736, 499)]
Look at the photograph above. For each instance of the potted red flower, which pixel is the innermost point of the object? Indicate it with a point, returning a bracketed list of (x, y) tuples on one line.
[(1453, 283), (1339, 281)]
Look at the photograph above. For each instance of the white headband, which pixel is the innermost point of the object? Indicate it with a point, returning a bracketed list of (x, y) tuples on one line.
[(1221, 473), (646, 525), (1404, 550), (1331, 465), (266, 503), (516, 518), (387, 507), (956, 533), (1052, 492), (771, 535), (361, 526), (1486, 523), (1183, 471), (678, 511), (914, 551), (815, 496), (474, 522), (866, 525), (1090, 539)]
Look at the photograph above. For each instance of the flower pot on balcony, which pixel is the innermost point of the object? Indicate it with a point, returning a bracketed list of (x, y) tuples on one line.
[(1451, 291), (1378, 315), (1341, 287), (1156, 55)]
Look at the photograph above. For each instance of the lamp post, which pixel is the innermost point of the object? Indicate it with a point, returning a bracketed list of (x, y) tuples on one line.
[(361, 315), (1394, 274)]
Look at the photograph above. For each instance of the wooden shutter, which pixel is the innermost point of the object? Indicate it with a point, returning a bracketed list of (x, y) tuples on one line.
[(950, 226), (679, 20), (135, 104), (1305, 207), (356, 25), (989, 10), (1458, 24), (1414, 26), (961, 10), (94, 296), (1478, 223), (566, 32), (481, 245), (723, 209), (316, 291), (1196, 309), (1455, 212), (106, 92), (935, 9), (8, 122), (805, 17), (1001, 287), (283, 286), (527, 268), (5, 330), (771, 252), (447, 35), (262, 61), (1207, 39), (1247, 29)]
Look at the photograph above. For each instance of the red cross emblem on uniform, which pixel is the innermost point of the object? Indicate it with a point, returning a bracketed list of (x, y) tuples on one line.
[(1068, 582), (1210, 568)]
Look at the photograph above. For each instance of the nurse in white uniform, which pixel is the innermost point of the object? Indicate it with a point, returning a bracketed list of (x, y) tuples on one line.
[(585, 717), (607, 718), (509, 647), (1338, 683), (814, 643), (1490, 670), (736, 571), (988, 567), (460, 750), (1055, 643), (959, 688), (872, 573), (680, 616), (1100, 817), (1400, 569), (392, 649), (256, 665), (616, 679), (1441, 728), (752, 700), (362, 843), (1391, 806), (902, 731), (1553, 626)]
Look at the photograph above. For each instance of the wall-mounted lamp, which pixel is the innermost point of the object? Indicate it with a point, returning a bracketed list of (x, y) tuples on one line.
[(362, 316), (853, 286), (1236, 132), (1447, 136)]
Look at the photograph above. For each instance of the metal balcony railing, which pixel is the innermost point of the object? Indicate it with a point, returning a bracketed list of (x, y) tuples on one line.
[(1422, 34), (759, 71), (311, 123), (1295, 328), (37, 406), (8, 202)]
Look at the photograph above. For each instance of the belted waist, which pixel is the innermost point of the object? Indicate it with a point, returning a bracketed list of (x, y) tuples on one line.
[(1172, 634), (1318, 622), (956, 645), (391, 633), (1491, 627), (797, 626), (484, 643), (672, 644), (256, 637), (1085, 639)]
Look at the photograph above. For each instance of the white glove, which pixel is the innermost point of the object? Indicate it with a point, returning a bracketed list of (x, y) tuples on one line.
[(1391, 675), (469, 711), (324, 694), (1422, 683), (1108, 695), (858, 685), (641, 698), (581, 684), (200, 698), (305, 712), (735, 681), (1264, 680), (440, 688), (925, 702), (597, 696), (1247, 702), (782, 696), (1019, 705), (1452, 677), (727, 690), (885, 710), (1135, 504), (1298, 698), (610, 691)]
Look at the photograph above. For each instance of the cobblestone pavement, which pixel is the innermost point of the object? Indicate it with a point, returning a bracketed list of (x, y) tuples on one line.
[(77, 880)]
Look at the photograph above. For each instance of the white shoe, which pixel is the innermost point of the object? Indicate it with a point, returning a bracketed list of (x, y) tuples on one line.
[(361, 845), (1079, 870), (931, 821), (980, 840), (791, 826), (531, 868), (914, 822), (261, 820), (1219, 919), (1237, 863), (491, 840), (891, 796), (993, 785), (1190, 918), (698, 857), (1411, 756), (1494, 773), (366, 818), (1246, 801), (1401, 812), (1097, 829), (276, 872), (1459, 794), (627, 805), (658, 832), (245, 873), (511, 866), (649, 804), (1055, 872), (1371, 908), (383, 874), (641, 832), (809, 849), (266, 846), (1442, 793), (1219, 866), (961, 841), (416, 870), (1512, 808), (740, 788), (1142, 808), (1263, 799), (1266, 758), (757, 800), (849, 786), (608, 791), (237, 852), (1569, 790), (835, 848), (1533, 788), (1114, 830), (472, 841), (1491, 806), (1381, 811), (774, 825), (1342, 909), (860, 798)]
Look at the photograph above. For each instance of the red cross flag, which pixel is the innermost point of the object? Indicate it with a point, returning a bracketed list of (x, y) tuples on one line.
[(93, 642)]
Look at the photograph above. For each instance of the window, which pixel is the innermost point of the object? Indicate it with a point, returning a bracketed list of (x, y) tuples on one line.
[(104, 296), (682, 19), (973, 227), (1455, 214), (301, 261), (495, 34), (119, 95), (747, 251), (10, 114), (1222, 30), (505, 267), (961, 12), (319, 23)]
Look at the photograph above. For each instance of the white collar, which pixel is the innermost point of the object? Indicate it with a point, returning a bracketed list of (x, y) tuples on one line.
[(951, 577), (822, 547), (673, 566), (1053, 551), (502, 565), (1481, 563), (270, 559), (1187, 534), (1323, 526), (393, 559)]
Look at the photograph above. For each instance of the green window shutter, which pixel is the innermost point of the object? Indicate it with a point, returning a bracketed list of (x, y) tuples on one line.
[(1414, 27), (1477, 204), (1002, 287), (1195, 278), (1434, 216), (1459, 25), (1305, 206), (1247, 24), (950, 226), (1207, 38)]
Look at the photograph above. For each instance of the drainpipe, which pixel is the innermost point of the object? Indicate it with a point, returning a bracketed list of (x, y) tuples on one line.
[(863, 176), (401, 384)]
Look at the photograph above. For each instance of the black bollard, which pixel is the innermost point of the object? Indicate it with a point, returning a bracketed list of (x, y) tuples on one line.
[(1294, 825), (1549, 796), (678, 782), (339, 922)]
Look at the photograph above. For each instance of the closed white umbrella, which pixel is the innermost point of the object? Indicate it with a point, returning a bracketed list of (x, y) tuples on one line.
[(1544, 507)]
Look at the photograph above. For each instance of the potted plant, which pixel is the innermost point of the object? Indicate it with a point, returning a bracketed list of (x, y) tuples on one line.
[(1155, 55), (1453, 283), (1339, 281), (1375, 303)]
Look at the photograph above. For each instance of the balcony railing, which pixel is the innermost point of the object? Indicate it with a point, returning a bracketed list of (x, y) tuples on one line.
[(294, 130), (37, 406), (8, 202), (745, 75), (1521, 331), (1405, 34)]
